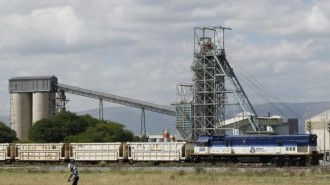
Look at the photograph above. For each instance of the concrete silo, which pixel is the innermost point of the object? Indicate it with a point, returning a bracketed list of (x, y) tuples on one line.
[(32, 99), (22, 107), (43, 105)]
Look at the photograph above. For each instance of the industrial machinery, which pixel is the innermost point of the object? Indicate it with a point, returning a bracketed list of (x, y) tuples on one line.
[(216, 92)]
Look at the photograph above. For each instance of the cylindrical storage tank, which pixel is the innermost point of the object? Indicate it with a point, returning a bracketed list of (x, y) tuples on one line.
[(22, 115), (166, 134), (43, 105)]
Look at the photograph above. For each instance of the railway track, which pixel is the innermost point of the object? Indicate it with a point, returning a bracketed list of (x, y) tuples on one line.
[(164, 167)]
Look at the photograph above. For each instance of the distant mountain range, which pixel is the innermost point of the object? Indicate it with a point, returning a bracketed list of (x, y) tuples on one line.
[(156, 123)]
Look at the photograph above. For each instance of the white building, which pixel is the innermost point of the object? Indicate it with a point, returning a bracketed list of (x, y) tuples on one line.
[(319, 125), (241, 125)]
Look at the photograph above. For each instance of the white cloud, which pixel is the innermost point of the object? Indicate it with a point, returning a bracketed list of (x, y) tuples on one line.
[(142, 49), (317, 21), (49, 27)]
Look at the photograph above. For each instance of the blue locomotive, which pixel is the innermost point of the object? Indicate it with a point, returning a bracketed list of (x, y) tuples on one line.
[(275, 149)]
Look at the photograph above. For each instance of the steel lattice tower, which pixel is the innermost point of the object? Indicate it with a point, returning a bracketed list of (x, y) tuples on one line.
[(215, 84), (183, 104)]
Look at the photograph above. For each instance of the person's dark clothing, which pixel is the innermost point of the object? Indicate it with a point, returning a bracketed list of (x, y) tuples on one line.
[(75, 180), (74, 173)]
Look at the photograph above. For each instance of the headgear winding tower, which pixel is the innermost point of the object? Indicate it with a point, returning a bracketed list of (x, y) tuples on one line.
[(215, 85)]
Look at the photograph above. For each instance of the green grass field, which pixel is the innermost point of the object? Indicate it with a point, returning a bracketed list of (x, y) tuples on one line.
[(198, 176)]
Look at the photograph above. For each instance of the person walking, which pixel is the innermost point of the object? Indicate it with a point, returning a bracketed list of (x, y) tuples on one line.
[(74, 173)]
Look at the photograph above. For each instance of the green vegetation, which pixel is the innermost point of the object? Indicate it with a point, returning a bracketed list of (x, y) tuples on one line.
[(152, 177), (69, 127), (7, 135)]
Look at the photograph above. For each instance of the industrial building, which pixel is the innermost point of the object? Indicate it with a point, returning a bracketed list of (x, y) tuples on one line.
[(31, 99), (320, 125)]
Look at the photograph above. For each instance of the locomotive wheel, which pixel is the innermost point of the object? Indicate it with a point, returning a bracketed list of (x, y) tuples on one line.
[(307, 162)]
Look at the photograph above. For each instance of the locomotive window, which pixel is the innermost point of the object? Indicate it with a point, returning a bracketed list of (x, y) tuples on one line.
[(287, 148), (294, 148), (313, 139), (201, 144)]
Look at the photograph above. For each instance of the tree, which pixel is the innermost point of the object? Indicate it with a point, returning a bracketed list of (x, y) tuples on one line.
[(7, 135), (72, 123), (103, 132), (56, 128), (89, 120), (69, 127), (47, 131)]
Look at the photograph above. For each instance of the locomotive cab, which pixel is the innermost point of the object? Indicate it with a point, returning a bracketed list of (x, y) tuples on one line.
[(203, 145)]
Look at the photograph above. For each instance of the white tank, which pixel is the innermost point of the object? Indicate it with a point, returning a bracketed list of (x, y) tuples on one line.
[(22, 121), (43, 105)]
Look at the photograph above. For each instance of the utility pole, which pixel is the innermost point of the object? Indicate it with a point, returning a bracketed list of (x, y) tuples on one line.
[(101, 109), (143, 130)]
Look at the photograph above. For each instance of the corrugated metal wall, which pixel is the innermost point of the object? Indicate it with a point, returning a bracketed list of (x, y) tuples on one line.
[(32, 84)]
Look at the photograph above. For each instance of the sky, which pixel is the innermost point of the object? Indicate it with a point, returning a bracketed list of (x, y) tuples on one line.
[(143, 49)]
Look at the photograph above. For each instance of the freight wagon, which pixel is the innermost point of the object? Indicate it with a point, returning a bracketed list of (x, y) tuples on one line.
[(38, 152), (95, 152), (156, 151), (5, 152)]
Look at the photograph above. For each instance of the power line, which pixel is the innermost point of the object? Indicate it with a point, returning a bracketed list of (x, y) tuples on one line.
[(267, 95)]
